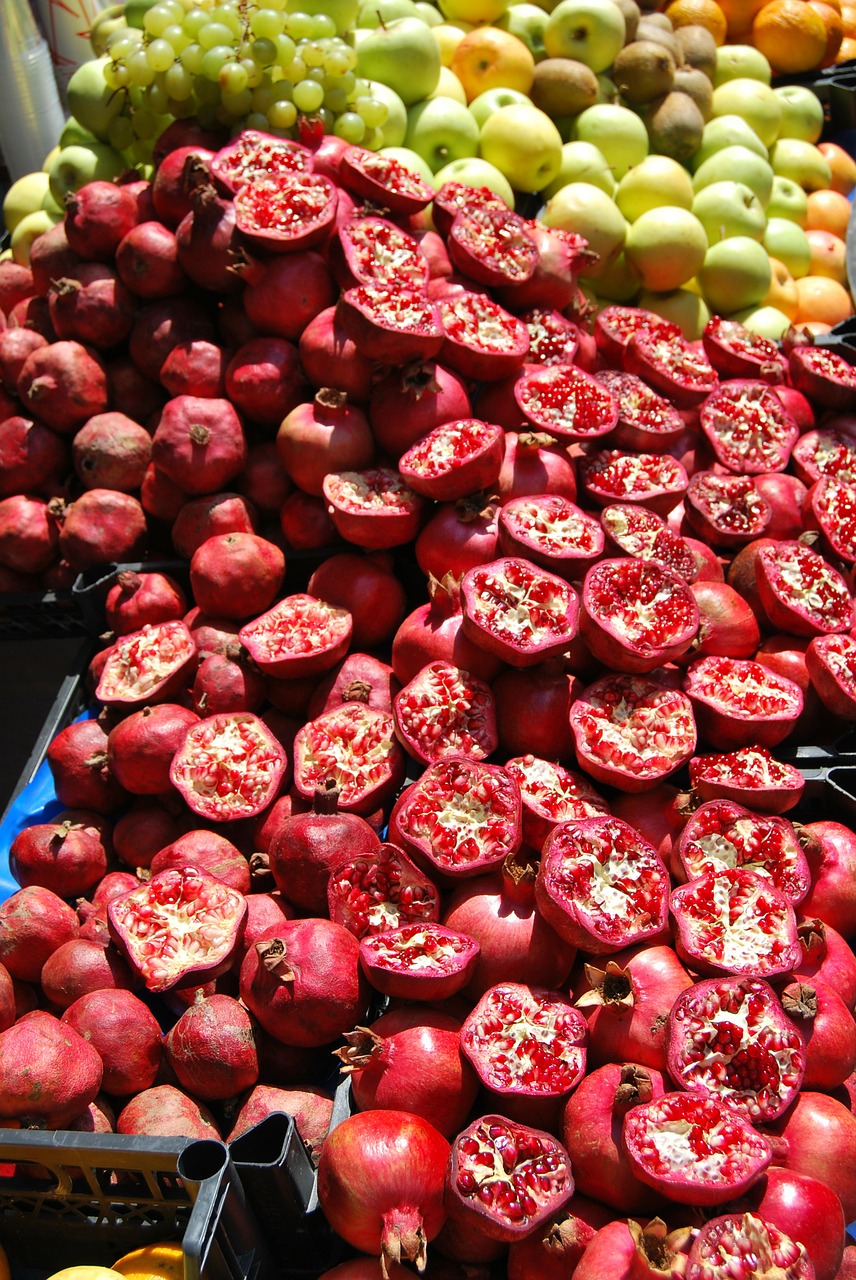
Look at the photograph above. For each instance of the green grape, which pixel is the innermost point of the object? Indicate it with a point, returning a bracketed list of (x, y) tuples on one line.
[(350, 126), (182, 109), (278, 5), (120, 43), (374, 140), (214, 60), (156, 19), (257, 120), (178, 83), (312, 54), (266, 24), (237, 104), (281, 115), (233, 79), (335, 100), (116, 75), (160, 55), (216, 34), (191, 58), (194, 21), (308, 96), (157, 99), (318, 74), (177, 37), (324, 26), (296, 70), (299, 25), (120, 134), (264, 52), (348, 82), (144, 124), (337, 61), (285, 50), (372, 111), (283, 91), (262, 97), (229, 16), (139, 70)]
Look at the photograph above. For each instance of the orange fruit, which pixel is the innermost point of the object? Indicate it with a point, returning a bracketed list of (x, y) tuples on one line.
[(702, 13), (828, 256), (847, 50), (834, 29), (791, 35), (842, 166), (848, 21), (489, 58), (153, 1262), (828, 211), (739, 15), (823, 299)]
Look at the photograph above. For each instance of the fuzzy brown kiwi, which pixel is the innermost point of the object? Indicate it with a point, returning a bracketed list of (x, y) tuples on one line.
[(675, 125), (698, 48), (630, 9), (694, 83), (643, 71), (563, 87), (660, 35)]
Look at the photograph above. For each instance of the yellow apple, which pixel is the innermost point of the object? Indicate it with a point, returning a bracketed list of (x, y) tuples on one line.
[(24, 196), (472, 10), (666, 246), (29, 229), (524, 144), (448, 37), (585, 209), (449, 86)]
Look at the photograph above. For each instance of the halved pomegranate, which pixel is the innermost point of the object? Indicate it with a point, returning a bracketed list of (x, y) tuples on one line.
[(483, 342), (631, 732), (657, 481), (286, 215), (300, 636), (491, 245), (615, 325), (374, 250), (747, 427), (372, 893), (517, 611), (646, 420), (724, 1243), (721, 833), (635, 615), (727, 511), (375, 509), (228, 766), (551, 531), (445, 711), (739, 703), (636, 531), (735, 921), (454, 460), (823, 375), (671, 365), (552, 338), (750, 776), (383, 180), (391, 324), (453, 197), (831, 662), (253, 155), (146, 666), (566, 402), (831, 507), (550, 794), (356, 746), (800, 592), (602, 886), (737, 352), (827, 451), (419, 961)]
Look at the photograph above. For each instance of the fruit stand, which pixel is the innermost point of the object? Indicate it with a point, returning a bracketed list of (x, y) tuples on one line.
[(427, 492)]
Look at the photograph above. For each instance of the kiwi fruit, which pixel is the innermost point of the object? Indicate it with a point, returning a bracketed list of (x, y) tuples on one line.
[(643, 71), (660, 20), (698, 48), (659, 35), (675, 125), (694, 83), (630, 9), (563, 87)]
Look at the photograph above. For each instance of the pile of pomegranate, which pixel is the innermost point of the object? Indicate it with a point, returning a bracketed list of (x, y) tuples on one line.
[(533, 810)]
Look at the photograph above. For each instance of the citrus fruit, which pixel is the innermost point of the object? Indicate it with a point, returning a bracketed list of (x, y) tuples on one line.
[(153, 1262), (791, 35), (827, 210), (701, 13), (822, 299)]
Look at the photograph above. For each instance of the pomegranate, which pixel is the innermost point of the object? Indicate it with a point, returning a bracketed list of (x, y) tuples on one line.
[(136, 599), (418, 960), (199, 443), (379, 890), (826, 1029), (82, 965), (445, 711), (203, 518), (434, 632), (725, 1243), (126, 1035), (627, 1248), (82, 777), (228, 766), (165, 1111), (211, 1048), (100, 526), (48, 1073), (68, 856), (518, 612), (627, 1003), (357, 747), (735, 921), (64, 384)]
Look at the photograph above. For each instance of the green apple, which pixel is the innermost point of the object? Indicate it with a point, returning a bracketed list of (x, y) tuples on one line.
[(376, 13), (768, 321), (802, 112), (726, 131), (441, 130), (411, 161), (788, 243), (524, 144), (475, 172), (103, 26), (591, 31), (754, 102), (736, 164), (527, 22), (617, 132), (73, 133), (429, 13), (619, 282), (25, 196), (394, 126), (473, 11), (588, 211), (788, 200), (31, 226), (404, 55), (666, 246), (581, 162), (449, 86), (76, 165), (729, 209), (492, 99), (683, 307), (735, 274), (802, 162), (91, 100), (343, 12), (656, 180), (738, 61)]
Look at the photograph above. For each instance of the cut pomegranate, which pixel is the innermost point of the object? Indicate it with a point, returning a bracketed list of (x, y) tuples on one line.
[(254, 155), (614, 326), (747, 427), (657, 481), (552, 338), (384, 181), (373, 893), (739, 703), (461, 818), (566, 402), (602, 886), (721, 833), (823, 375), (800, 592), (831, 662), (374, 508), (671, 365), (749, 776), (727, 511), (730, 1037), (635, 615), (179, 929), (148, 666), (491, 246), (391, 324), (418, 961), (550, 794), (355, 746), (646, 421), (517, 611), (483, 342), (300, 636), (508, 1178), (445, 711), (551, 531), (831, 507), (370, 250), (453, 197), (636, 531), (737, 352), (723, 1247), (286, 214), (696, 1150), (632, 733), (454, 460), (229, 766), (737, 922), (525, 1043), (828, 451)]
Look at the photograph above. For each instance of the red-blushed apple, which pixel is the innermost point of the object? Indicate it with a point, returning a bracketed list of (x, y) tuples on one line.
[(802, 162), (684, 307), (582, 162), (591, 31), (492, 99), (729, 209), (667, 246), (802, 112), (441, 130), (475, 172), (617, 132), (524, 144), (735, 275), (788, 200), (734, 61), (786, 241), (655, 181), (588, 211), (782, 293), (726, 131), (489, 58), (754, 102), (828, 255), (736, 164), (404, 55)]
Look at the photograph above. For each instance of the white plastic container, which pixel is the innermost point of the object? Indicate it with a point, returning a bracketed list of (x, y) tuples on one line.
[(66, 26), (31, 114)]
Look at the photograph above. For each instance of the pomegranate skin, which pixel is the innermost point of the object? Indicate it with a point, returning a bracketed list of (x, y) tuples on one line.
[(77, 759), (552, 1254), (32, 457), (532, 707), (165, 1111), (308, 845), (236, 575), (137, 599), (140, 748), (832, 896), (204, 518), (8, 1009), (210, 852), (827, 1029), (48, 1073), (64, 384), (810, 1130), (374, 597), (29, 536), (80, 966), (264, 381), (330, 358), (310, 1105), (199, 443), (33, 923), (101, 526), (211, 1049), (613, 1251), (806, 1210)]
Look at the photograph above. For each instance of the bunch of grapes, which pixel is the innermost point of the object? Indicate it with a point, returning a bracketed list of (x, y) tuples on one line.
[(258, 64)]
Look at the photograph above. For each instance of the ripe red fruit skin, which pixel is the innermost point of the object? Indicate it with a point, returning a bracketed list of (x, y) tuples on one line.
[(68, 855), (808, 1133), (805, 1209), (372, 594), (166, 1111), (64, 384), (236, 575), (33, 923), (139, 598), (211, 1049), (308, 846), (310, 1105), (205, 517), (48, 1073), (101, 526), (126, 1034), (140, 748), (827, 1029), (199, 443), (82, 965), (832, 896), (82, 778)]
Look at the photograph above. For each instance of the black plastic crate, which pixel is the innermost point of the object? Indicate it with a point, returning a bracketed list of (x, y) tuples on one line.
[(77, 1198), (40, 615)]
